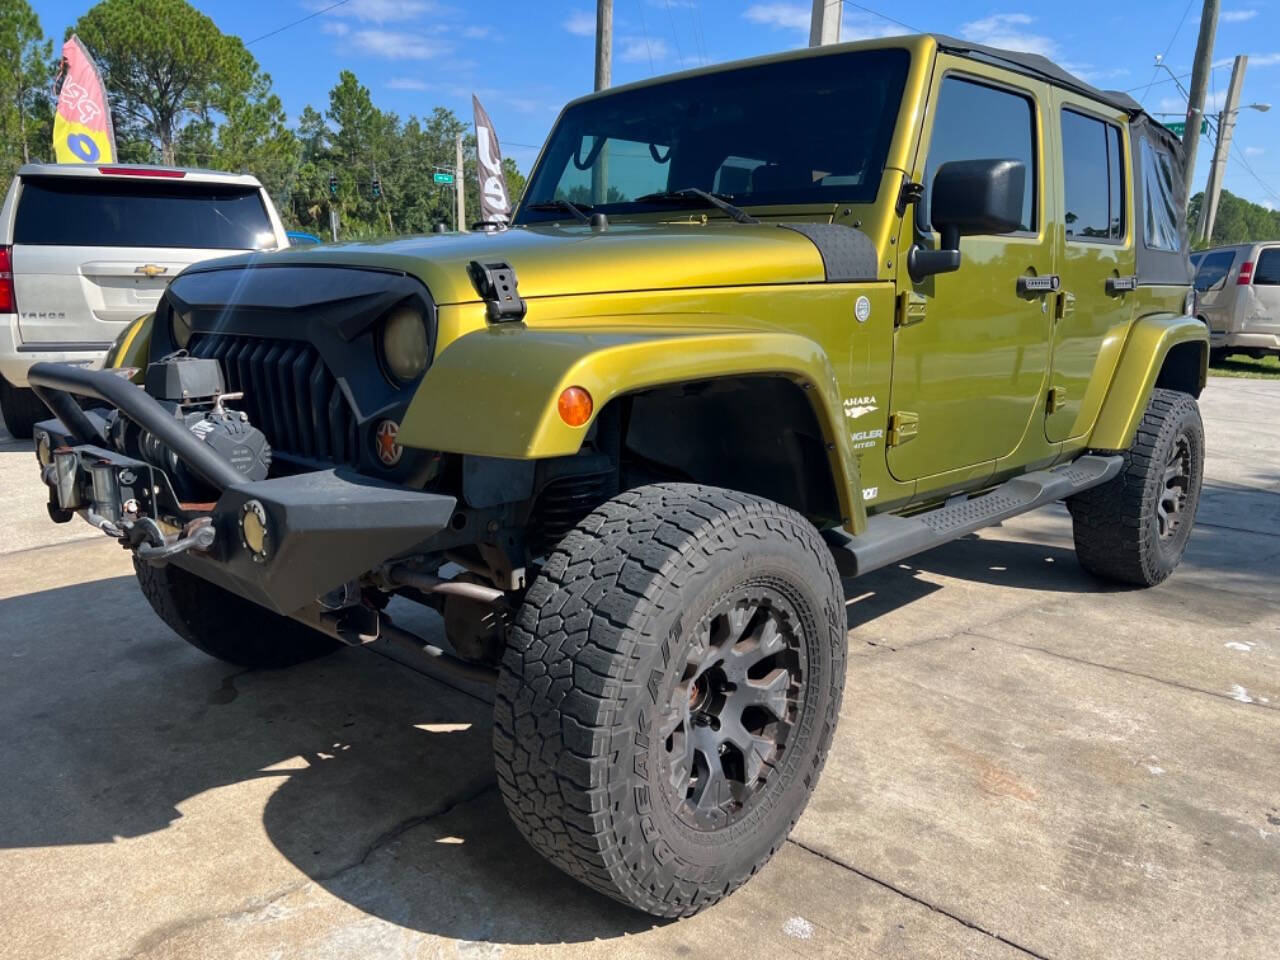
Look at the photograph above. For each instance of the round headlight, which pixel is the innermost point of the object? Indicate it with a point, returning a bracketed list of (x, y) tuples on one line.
[(181, 327), (404, 343)]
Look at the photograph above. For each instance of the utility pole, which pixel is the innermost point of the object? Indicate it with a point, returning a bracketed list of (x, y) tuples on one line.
[(1218, 169), (824, 25), (459, 186), (604, 78), (1199, 85)]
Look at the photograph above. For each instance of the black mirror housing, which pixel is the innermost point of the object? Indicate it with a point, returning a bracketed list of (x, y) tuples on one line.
[(977, 197)]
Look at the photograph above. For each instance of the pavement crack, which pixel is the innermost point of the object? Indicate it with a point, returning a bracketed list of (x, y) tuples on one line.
[(893, 888), (1121, 670), (410, 823)]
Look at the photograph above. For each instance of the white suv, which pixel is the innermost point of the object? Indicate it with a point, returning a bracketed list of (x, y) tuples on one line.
[(84, 250)]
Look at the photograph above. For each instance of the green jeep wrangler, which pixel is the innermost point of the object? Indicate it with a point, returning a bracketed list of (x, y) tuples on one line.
[(754, 330)]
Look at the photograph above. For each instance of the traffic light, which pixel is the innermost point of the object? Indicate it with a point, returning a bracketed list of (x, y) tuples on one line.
[(377, 187), (333, 185)]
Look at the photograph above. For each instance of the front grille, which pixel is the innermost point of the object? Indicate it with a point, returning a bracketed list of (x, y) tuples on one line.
[(289, 394)]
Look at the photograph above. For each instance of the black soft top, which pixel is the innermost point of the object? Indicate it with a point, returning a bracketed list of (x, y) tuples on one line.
[(1155, 266)]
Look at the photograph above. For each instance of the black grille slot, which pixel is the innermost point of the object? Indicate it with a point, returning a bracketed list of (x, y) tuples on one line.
[(289, 394)]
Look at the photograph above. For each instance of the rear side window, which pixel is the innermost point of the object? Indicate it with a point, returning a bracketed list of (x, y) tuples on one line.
[(1160, 226), (1094, 187), (100, 212), (1213, 268), (1266, 272), (1005, 132)]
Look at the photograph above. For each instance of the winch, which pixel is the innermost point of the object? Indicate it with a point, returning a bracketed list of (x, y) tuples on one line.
[(194, 390)]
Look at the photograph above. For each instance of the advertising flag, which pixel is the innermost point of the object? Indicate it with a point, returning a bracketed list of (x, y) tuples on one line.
[(495, 203), (82, 131)]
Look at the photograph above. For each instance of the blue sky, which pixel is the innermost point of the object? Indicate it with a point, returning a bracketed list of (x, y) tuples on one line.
[(525, 59)]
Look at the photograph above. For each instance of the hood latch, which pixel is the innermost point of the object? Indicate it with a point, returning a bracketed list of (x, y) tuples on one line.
[(498, 287)]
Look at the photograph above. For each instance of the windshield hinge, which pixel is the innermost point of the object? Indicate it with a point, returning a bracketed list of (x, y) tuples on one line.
[(911, 308), (498, 287), (903, 426), (910, 193)]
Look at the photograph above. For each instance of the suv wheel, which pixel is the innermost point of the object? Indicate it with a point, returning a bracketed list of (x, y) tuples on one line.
[(224, 625), (22, 409), (669, 691), (1134, 529)]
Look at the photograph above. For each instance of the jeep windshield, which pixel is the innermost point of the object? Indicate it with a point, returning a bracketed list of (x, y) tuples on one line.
[(810, 131)]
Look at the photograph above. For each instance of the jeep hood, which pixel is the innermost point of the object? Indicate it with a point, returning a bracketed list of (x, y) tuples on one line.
[(573, 260)]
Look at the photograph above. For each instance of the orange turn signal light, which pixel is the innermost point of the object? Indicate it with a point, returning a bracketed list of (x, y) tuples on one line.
[(575, 406)]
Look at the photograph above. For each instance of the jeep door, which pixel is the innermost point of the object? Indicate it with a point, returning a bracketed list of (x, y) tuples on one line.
[(1096, 262), (970, 352)]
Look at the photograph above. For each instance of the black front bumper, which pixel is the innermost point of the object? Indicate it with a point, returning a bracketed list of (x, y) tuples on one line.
[(322, 529)]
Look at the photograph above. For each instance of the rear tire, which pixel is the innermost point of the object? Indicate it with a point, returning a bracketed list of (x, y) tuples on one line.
[(673, 624), (224, 625), (22, 409), (1134, 528)]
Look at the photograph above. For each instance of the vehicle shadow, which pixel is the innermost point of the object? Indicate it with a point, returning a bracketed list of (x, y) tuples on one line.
[(385, 790)]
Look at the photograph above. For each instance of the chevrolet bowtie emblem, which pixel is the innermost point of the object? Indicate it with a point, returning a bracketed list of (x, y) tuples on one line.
[(151, 270)]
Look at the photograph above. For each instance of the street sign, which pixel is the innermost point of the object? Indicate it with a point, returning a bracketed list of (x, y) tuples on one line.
[(1180, 127), (443, 178)]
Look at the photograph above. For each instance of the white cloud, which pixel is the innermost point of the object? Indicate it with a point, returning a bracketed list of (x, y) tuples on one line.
[(862, 27), (396, 45), (642, 49), (780, 16), (376, 11), (1268, 204), (1092, 74), (1238, 16), (476, 32), (335, 28), (407, 83), (1007, 30), (581, 23), (1254, 151), (1264, 59)]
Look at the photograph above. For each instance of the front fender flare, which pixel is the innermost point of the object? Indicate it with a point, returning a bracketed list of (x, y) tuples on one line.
[(1146, 348), (494, 392)]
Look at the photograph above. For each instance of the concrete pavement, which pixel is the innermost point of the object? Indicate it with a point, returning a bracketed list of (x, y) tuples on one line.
[(1029, 764)]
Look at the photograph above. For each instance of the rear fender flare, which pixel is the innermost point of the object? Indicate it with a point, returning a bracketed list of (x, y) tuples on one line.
[(1150, 342), (494, 392)]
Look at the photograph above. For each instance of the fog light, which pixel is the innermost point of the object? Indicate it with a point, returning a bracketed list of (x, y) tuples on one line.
[(44, 451), (253, 530), (575, 406)]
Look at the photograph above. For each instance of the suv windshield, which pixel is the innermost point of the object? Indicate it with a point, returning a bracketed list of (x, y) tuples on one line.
[(814, 130), (103, 212)]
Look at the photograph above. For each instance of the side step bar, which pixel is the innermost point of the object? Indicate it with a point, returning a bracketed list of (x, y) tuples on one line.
[(889, 538)]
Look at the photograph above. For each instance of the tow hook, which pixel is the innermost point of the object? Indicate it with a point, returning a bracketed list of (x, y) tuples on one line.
[(199, 534)]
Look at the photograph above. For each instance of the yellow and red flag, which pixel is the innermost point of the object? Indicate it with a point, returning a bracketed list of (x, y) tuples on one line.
[(82, 131)]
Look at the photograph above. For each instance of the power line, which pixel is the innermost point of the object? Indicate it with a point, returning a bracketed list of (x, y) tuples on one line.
[(672, 17), (648, 47), (883, 16), (1169, 46), (1245, 163), (309, 16)]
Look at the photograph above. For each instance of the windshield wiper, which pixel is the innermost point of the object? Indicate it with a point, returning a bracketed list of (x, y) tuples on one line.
[(695, 195), (579, 211)]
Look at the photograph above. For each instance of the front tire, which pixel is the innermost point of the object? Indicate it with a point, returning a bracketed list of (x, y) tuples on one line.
[(1134, 528), (22, 409), (227, 626), (669, 692)]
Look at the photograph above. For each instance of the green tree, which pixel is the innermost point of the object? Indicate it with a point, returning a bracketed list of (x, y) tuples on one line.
[(1237, 220), (165, 64), (26, 116)]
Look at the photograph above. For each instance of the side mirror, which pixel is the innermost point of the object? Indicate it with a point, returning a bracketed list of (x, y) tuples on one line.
[(970, 198)]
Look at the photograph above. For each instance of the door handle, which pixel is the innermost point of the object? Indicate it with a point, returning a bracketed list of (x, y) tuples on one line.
[(1115, 285), (1038, 286)]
